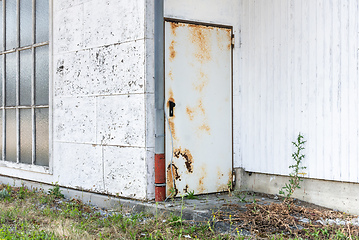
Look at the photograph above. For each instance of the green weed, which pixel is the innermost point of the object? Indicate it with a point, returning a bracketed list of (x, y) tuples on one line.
[(190, 195), (4, 194), (242, 196), (55, 191), (295, 179)]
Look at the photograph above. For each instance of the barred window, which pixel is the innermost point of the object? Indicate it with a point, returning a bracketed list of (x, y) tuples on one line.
[(24, 88)]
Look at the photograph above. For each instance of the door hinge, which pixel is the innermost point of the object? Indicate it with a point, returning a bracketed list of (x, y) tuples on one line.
[(232, 40)]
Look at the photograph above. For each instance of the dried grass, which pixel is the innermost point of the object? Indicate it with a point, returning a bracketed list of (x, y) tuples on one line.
[(279, 218)]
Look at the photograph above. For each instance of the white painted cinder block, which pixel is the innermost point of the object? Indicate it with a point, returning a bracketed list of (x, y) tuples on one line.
[(150, 120), (71, 74), (113, 21), (68, 29), (79, 166), (75, 120), (120, 120), (65, 4), (125, 171), (100, 63), (115, 69)]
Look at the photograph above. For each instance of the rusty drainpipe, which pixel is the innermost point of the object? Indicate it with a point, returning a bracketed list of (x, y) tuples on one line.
[(160, 168)]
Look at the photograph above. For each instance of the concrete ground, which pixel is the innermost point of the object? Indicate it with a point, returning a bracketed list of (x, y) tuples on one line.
[(203, 209), (213, 209)]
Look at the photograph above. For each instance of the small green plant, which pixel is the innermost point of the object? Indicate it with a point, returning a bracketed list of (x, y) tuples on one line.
[(324, 232), (22, 192), (156, 215), (229, 187), (295, 179), (172, 192), (255, 210), (339, 234), (211, 222), (182, 207), (55, 191), (242, 196), (175, 220), (4, 194), (190, 195)]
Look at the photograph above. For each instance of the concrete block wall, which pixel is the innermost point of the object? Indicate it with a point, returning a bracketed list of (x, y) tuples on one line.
[(100, 96), (102, 99)]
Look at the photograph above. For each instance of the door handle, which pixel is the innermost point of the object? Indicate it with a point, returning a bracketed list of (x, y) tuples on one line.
[(171, 105)]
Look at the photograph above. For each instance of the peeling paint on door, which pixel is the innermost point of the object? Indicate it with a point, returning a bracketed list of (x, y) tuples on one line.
[(198, 79)]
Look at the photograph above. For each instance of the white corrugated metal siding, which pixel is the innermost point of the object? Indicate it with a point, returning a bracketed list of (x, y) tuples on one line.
[(299, 73)]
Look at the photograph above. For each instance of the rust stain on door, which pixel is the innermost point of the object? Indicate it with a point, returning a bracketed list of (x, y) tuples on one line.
[(201, 108), (172, 50), (170, 97), (186, 154), (192, 112), (172, 176), (202, 177), (170, 74), (200, 37), (171, 119), (224, 38), (202, 82), (224, 187), (174, 26), (205, 127), (185, 189)]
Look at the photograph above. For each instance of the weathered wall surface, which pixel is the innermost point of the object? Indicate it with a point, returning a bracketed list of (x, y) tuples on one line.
[(100, 96), (300, 74), (102, 137)]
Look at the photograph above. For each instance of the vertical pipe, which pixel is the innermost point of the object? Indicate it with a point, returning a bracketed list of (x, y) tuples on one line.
[(160, 177)]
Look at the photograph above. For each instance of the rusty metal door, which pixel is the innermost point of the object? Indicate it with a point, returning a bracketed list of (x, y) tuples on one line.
[(198, 93)]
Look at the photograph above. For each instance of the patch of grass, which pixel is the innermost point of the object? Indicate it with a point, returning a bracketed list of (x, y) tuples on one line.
[(34, 214), (55, 191)]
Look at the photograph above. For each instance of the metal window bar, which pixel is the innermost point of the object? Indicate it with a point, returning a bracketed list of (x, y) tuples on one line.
[(25, 48), (33, 122), (17, 84), (3, 80)]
